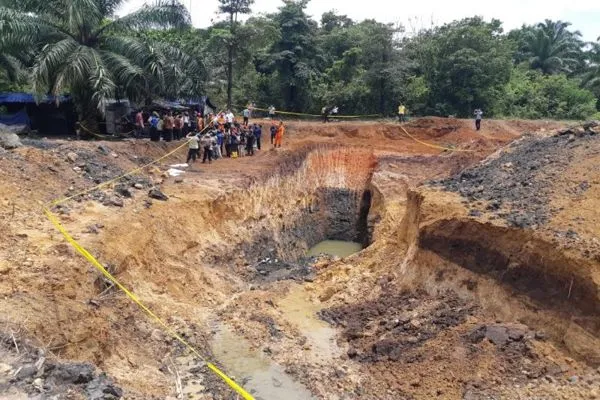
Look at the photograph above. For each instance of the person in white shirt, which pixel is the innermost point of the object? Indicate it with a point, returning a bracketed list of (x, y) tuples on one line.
[(229, 117), (272, 112), (186, 124), (478, 116)]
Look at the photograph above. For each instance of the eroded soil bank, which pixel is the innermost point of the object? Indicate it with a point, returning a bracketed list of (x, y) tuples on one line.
[(443, 302)]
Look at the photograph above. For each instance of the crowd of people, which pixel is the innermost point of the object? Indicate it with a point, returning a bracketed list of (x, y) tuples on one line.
[(212, 137), (225, 137)]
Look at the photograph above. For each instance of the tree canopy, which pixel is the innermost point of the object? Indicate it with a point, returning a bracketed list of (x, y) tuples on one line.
[(296, 62)]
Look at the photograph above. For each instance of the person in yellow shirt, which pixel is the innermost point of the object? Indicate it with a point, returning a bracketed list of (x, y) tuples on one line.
[(401, 113)]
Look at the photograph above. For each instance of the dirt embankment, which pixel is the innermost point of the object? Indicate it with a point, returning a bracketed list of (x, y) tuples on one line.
[(429, 309)]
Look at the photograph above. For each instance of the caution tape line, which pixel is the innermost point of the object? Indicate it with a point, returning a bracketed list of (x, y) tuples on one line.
[(87, 255), (85, 128), (131, 172), (434, 145), (230, 382), (318, 115)]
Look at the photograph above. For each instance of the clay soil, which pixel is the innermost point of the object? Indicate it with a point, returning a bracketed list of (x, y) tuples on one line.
[(480, 278)]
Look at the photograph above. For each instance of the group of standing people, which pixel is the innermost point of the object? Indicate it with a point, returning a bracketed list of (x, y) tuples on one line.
[(227, 137), (168, 126)]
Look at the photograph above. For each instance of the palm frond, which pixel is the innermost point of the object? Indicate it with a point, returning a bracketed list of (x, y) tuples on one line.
[(13, 67), (52, 59), (161, 14), (125, 72), (82, 16)]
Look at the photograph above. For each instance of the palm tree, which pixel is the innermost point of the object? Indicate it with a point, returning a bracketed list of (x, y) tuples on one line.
[(591, 78), (82, 48), (552, 48)]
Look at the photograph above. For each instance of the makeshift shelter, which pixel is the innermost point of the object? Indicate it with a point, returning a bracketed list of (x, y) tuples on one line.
[(48, 115), (201, 104)]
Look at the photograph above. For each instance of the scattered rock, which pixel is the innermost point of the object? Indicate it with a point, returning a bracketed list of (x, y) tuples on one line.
[(474, 213), (104, 150), (178, 180), (499, 334), (75, 373), (539, 335), (276, 382), (113, 201), (123, 190), (103, 388), (158, 195), (27, 371), (138, 186), (352, 352), (9, 140), (38, 383), (93, 229), (72, 157)]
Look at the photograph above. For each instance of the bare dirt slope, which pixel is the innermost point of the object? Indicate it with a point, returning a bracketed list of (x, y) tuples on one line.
[(478, 285)]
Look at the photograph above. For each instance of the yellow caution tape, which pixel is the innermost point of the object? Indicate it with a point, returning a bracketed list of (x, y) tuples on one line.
[(433, 145), (54, 219), (95, 134), (318, 115), (81, 250)]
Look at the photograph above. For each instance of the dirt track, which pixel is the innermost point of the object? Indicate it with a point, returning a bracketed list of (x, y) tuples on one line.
[(451, 299)]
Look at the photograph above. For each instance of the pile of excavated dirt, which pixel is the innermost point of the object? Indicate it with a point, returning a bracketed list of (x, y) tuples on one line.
[(440, 303), (518, 184)]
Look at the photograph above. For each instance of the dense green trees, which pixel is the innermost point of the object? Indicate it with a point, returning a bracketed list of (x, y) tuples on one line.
[(76, 46), (551, 47), (465, 65), (296, 63)]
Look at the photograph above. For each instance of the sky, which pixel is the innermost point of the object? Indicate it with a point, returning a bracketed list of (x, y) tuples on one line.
[(583, 14)]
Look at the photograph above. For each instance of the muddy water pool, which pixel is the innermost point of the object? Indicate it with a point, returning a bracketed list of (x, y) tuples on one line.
[(259, 375), (337, 248)]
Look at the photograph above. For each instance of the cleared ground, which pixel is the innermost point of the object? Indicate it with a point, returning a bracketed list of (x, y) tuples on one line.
[(480, 279)]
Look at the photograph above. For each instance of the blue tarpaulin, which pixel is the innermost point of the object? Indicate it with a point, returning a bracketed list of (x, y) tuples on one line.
[(19, 118), (17, 97)]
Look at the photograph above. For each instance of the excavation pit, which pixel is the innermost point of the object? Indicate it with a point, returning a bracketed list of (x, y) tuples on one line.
[(225, 263)]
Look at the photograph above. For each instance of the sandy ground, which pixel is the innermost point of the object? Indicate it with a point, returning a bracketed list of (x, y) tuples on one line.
[(426, 311)]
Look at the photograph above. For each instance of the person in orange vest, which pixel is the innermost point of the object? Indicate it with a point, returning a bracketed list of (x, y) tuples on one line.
[(279, 135)]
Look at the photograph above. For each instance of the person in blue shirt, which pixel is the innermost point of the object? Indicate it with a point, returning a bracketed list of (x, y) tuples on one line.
[(153, 122), (257, 130), (273, 132), (220, 142)]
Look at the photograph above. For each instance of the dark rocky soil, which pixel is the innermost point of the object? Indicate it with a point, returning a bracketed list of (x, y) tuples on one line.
[(32, 373), (396, 325), (517, 185)]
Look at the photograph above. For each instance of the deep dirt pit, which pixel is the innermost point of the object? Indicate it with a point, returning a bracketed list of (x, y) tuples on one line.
[(224, 262)]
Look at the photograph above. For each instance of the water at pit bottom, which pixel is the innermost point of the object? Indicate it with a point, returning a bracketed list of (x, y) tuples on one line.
[(260, 376), (338, 248)]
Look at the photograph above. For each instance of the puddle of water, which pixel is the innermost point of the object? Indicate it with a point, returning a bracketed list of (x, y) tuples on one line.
[(338, 248), (301, 312), (263, 378)]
